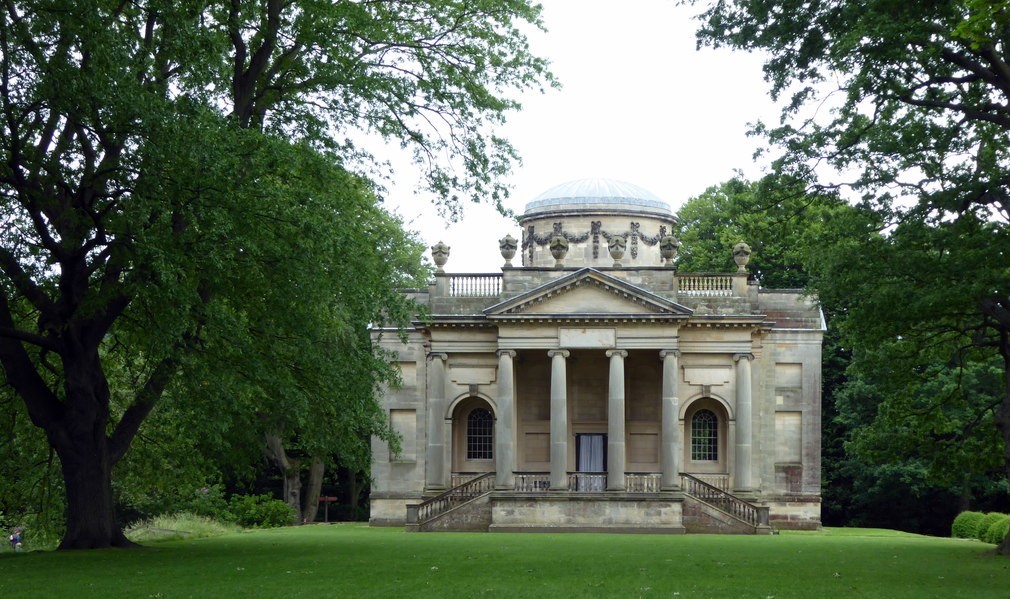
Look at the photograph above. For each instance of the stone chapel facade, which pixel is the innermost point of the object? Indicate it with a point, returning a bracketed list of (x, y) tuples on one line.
[(595, 387)]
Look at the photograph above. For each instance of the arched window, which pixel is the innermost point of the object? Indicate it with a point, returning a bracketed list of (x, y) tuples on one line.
[(480, 435), (704, 436)]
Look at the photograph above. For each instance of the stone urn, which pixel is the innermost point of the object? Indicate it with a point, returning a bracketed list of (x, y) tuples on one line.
[(616, 245), (741, 255), (559, 249), (668, 247), (440, 255), (508, 246)]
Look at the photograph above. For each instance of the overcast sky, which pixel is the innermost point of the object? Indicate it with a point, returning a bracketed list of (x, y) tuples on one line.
[(639, 104)]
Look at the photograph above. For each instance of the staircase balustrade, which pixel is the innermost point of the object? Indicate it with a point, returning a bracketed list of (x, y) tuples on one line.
[(455, 496), (738, 508)]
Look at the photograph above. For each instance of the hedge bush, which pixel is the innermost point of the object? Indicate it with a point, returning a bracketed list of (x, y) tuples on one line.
[(997, 530), (988, 520), (260, 511), (965, 526)]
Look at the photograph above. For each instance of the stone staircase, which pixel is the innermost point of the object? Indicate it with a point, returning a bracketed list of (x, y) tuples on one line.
[(710, 510), (707, 509), (465, 507)]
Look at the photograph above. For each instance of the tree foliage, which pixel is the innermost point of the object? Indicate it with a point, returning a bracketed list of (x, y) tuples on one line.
[(176, 201), (908, 106), (775, 216)]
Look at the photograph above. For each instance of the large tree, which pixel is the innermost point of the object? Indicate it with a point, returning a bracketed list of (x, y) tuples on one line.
[(163, 163), (907, 101)]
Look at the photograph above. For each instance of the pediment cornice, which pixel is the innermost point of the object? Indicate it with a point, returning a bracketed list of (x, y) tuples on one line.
[(636, 304)]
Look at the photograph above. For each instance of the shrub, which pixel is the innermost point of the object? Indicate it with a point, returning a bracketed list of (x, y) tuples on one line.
[(965, 526), (208, 502), (997, 530), (261, 511), (178, 526), (987, 521)]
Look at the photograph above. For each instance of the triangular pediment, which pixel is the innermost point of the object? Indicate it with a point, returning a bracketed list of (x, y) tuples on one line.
[(587, 293)]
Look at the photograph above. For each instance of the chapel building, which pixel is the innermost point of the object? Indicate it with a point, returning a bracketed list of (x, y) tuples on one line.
[(594, 387)]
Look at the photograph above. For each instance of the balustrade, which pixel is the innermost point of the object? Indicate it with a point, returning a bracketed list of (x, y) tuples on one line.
[(740, 509), (457, 495), (532, 482), (705, 285), (643, 482), (475, 285), (587, 482)]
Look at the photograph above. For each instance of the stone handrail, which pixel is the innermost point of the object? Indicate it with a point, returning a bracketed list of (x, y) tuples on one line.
[(587, 482), (704, 285), (643, 482), (532, 482), (475, 285), (458, 478), (440, 504), (738, 508)]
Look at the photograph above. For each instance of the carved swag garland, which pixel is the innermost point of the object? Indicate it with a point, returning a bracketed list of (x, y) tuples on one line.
[(531, 239)]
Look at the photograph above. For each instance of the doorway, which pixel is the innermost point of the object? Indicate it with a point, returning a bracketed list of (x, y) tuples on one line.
[(591, 461)]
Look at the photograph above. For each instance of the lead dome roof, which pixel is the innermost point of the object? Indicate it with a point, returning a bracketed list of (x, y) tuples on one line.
[(596, 193)]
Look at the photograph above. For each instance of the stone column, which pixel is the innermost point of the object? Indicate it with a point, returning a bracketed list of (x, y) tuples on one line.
[(615, 422), (744, 423), (669, 456), (504, 427), (434, 462), (559, 419)]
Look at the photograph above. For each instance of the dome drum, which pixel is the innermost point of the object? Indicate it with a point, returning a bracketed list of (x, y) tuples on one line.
[(589, 214)]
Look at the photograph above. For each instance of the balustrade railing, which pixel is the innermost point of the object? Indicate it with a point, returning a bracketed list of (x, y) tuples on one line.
[(643, 482), (705, 285), (719, 481), (736, 507), (475, 285), (587, 482), (532, 482), (457, 495), (458, 478)]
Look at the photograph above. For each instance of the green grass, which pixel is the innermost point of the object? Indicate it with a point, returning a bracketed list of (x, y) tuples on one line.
[(357, 561)]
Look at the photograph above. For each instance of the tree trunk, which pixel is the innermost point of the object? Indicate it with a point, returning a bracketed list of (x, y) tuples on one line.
[(310, 502), (87, 476), (291, 472)]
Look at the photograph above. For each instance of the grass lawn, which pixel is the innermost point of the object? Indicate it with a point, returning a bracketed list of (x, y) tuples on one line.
[(352, 560)]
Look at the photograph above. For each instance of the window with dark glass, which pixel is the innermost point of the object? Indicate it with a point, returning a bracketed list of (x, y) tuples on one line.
[(480, 435), (704, 436)]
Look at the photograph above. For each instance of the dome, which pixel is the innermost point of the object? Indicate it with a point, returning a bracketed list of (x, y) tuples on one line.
[(597, 193)]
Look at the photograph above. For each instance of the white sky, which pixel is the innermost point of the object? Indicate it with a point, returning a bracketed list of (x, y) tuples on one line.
[(639, 103)]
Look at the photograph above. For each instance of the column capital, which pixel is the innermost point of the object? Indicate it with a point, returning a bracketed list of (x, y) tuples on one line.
[(669, 352), (738, 357), (564, 353), (436, 355), (623, 353), (506, 352)]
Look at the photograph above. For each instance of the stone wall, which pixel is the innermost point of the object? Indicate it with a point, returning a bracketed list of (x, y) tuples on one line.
[(795, 513), (586, 514)]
